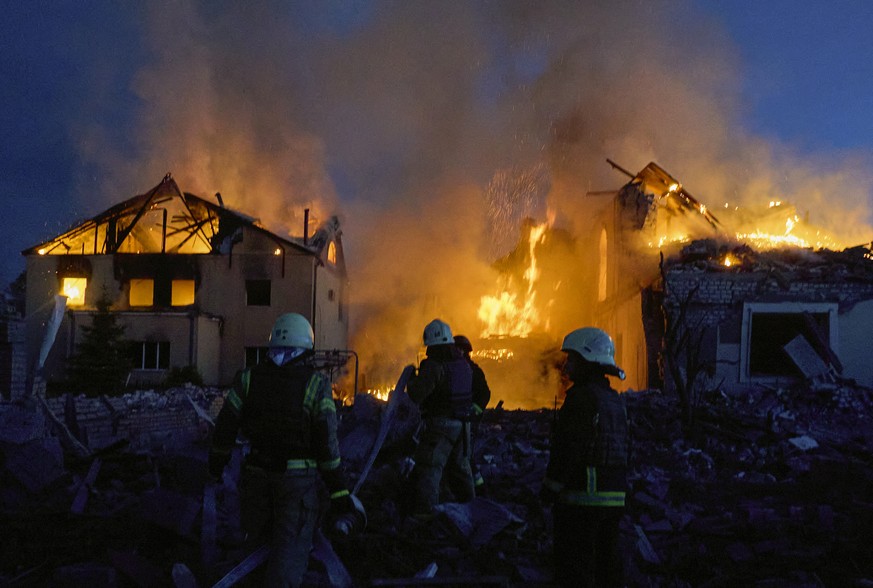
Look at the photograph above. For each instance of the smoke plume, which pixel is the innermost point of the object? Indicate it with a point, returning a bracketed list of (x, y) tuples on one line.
[(433, 128)]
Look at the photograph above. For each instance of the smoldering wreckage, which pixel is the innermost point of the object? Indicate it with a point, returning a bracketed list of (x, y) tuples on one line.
[(734, 481)]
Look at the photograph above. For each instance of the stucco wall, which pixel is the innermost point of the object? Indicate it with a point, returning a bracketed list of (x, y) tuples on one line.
[(216, 329)]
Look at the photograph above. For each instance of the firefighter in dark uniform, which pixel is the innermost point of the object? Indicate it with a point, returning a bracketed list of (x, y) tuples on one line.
[(285, 409), (443, 390), (481, 397), (587, 473)]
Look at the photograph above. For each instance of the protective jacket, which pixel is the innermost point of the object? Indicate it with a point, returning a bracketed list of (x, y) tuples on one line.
[(481, 391), (589, 447), (288, 415), (443, 386)]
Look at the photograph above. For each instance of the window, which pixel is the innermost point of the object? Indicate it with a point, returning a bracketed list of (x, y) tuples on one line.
[(604, 260), (255, 355), (142, 292), (150, 355), (768, 327), (331, 252), (258, 292), (183, 293), (74, 290)]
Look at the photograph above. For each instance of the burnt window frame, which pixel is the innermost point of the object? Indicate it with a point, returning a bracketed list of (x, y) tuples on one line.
[(252, 291), (750, 309)]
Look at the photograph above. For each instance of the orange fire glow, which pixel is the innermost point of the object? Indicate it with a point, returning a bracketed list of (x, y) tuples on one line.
[(507, 314), (380, 392), (771, 230)]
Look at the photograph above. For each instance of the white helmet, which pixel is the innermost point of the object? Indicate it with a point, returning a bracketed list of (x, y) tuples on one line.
[(592, 344), (437, 333), (292, 330)]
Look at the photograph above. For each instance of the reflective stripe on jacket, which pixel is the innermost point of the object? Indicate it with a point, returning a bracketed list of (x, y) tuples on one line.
[(589, 447), (289, 416)]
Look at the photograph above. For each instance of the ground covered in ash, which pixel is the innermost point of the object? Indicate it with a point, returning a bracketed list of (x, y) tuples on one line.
[(771, 488)]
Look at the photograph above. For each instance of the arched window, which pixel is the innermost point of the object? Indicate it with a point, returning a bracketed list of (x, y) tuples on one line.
[(331, 252), (602, 267)]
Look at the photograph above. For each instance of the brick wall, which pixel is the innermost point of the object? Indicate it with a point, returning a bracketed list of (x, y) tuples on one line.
[(147, 419), (720, 296)]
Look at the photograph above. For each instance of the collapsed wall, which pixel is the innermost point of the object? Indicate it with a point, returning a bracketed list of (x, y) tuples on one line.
[(743, 310)]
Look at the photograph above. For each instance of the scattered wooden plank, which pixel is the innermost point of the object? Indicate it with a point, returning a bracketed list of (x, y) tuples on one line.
[(199, 410), (244, 568), (84, 490)]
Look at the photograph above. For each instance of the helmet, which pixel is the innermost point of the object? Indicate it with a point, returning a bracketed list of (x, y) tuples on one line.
[(592, 344), (462, 343), (292, 330), (437, 333)]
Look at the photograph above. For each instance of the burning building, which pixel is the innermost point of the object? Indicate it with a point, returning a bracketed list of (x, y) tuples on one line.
[(683, 292), (193, 283), (747, 300)]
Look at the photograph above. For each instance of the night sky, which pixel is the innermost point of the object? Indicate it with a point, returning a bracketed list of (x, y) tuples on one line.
[(363, 108)]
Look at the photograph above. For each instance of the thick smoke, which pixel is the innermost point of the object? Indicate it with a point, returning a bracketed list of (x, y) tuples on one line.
[(422, 124)]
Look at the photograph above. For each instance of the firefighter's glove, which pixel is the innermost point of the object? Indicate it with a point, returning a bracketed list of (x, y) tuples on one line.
[(347, 515), (341, 505)]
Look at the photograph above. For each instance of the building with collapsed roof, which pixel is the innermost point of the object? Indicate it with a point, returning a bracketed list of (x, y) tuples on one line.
[(192, 282), (715, 308)]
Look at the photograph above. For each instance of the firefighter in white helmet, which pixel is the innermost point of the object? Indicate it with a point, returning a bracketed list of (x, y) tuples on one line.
[(285, 409), (443, 390), (586, 477)]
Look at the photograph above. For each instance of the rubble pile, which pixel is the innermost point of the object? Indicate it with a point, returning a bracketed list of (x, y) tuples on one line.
[(768, 488), (711, 255)]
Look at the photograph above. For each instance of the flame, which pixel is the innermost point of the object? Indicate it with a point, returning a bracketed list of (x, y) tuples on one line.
[(74, 290), (664, 239), (380, 392), (764, 239), (493, 354), (768, 233), (506, 313)]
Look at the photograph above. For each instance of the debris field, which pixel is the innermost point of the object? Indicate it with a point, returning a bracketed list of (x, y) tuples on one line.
[(769, 488)]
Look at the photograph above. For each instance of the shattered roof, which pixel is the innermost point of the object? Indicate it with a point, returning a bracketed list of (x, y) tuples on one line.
[(164, 220), (669, 191)]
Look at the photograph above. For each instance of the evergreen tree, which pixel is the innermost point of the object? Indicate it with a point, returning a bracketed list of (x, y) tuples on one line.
[(101, 362)]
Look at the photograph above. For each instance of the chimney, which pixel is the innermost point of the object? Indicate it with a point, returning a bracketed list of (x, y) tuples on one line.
[(306, 226), (220, 201)]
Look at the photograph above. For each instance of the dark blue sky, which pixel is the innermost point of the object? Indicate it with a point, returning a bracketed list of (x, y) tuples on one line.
[(807, 68), (81, 90)]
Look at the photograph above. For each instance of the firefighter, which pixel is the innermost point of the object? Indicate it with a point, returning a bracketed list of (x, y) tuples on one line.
[(481, 397), (443, 390), (587, 472), (285, 408)]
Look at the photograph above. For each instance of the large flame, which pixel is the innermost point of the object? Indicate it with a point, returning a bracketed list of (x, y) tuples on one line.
[(779, 227), (508, 314)]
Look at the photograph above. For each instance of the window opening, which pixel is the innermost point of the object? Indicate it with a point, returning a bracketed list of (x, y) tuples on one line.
[(770, 332), (182, 293), (601, 275), (255, 355), (142, 292), (74, 290), (258, 292)]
